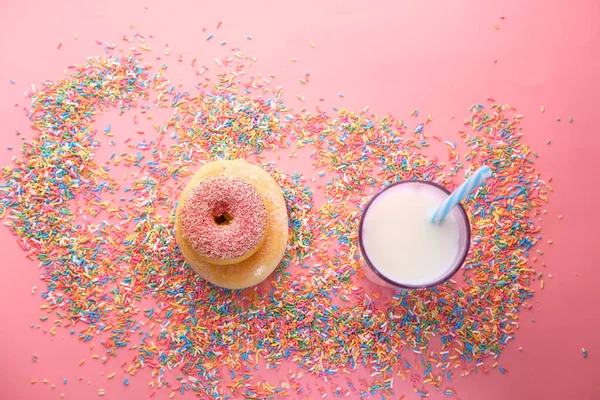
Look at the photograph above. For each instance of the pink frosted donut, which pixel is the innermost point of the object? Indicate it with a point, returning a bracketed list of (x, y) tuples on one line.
[(224, 219)]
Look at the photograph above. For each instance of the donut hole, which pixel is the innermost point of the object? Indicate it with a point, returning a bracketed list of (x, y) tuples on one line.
[(223, 218)]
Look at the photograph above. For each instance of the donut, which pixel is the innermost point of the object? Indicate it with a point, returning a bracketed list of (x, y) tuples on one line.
[(224, 219), (265, 256)]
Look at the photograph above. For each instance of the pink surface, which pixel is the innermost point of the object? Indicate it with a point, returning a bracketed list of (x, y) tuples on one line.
[(435, 56)]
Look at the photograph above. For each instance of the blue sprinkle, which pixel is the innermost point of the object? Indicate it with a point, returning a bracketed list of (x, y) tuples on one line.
[(11, 81), (209, 37), (249, 37), (223, 43), (341, 94)]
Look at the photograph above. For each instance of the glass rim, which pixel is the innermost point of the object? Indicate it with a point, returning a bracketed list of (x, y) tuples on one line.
[(444, 278)]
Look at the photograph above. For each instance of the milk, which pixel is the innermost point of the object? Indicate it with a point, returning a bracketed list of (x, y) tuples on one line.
[(402, 243)]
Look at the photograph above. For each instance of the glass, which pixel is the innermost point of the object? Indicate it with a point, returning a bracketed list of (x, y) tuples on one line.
[(464, 228)]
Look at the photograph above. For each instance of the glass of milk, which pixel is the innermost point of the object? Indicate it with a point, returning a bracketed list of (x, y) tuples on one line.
[(401, 247)]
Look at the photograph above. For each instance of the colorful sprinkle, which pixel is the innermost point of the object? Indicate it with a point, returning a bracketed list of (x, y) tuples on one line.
[(100, 257)]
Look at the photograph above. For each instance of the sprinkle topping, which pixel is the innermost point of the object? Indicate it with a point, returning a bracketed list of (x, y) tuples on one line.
[(224, 218)]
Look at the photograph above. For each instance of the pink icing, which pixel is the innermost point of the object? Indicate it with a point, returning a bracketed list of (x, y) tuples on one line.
[(207, 205)]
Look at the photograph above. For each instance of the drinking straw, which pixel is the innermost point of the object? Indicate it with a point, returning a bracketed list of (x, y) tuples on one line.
[(461, 193)]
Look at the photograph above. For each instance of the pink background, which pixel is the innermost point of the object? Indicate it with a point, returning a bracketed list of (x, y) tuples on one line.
[(436, 56)]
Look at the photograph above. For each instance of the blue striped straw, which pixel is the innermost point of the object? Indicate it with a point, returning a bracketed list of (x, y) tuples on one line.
[(461, 193)]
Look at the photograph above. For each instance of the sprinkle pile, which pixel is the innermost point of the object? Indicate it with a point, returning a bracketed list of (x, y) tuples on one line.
[(100, 259)]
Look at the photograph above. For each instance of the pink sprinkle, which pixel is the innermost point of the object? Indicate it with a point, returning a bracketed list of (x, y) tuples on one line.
[(223, 218)]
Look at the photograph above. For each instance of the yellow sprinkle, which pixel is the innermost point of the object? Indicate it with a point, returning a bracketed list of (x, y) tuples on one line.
[(33, 381), (172, 395), (101, 392), (81, 362), (76, 36), (550, 242), (560, 217), (45, 381), (542, 109), (293, 59), (62, 395), (542, 284), (111, 375), (312, 44)]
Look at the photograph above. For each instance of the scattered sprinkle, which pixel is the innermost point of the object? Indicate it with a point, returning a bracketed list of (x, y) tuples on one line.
[(99, 257)]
